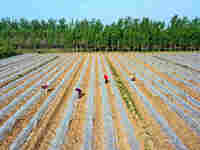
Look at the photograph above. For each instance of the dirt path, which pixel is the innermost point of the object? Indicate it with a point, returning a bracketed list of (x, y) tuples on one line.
[(98, 123), (74, 136)]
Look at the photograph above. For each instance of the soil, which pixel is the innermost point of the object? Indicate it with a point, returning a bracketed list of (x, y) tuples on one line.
[(147, 131)]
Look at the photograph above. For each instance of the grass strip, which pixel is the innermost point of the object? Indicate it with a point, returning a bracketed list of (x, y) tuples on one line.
[(124, 92)]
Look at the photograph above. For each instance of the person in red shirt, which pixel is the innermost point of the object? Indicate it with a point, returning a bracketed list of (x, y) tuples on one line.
[(106, 78)]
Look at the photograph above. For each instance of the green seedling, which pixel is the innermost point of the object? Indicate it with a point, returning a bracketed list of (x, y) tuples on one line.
[(124, 92)]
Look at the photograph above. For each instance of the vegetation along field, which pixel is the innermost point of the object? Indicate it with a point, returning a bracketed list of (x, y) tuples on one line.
[(158, 110), (125, 34)]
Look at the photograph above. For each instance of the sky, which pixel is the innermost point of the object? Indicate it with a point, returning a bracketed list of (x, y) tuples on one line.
[(106, 10)]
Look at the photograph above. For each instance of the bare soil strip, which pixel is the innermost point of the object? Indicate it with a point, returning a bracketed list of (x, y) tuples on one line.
[(60, 138), (87, 137), (98, 123), (75, 133)]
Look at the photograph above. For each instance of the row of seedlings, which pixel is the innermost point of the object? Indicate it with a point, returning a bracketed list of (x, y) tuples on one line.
[(132, 141), (87, 144)]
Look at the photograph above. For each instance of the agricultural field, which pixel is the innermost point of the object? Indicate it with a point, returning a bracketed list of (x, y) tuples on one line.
[(160, 110)]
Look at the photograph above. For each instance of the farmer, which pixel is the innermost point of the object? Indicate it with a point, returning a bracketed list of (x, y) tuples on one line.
[(133, 78), (106, 78), (80, 93), (46, 88)]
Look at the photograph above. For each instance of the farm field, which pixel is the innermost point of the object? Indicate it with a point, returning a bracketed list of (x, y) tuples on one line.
[(158, 111)]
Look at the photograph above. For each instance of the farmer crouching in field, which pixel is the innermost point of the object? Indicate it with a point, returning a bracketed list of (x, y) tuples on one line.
[(46, 88), (80, 92), (133, 77), (106, 78)]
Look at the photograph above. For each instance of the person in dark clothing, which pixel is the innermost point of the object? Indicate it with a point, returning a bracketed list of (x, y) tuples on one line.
[(133, 78), (80, 93), (46, 88)]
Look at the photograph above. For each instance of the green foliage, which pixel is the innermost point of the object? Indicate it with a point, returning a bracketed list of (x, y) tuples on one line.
[(126, 34), (125, 94), (6, 51)]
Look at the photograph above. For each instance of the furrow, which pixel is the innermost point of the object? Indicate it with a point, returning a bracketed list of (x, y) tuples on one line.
[(59, 139), (134, 144), (110, 136)]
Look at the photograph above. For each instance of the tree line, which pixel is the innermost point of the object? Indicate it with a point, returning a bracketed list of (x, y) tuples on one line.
[(125, 34)]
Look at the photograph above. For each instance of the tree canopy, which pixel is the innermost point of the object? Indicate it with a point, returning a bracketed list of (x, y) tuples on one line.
[(125, 34)]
